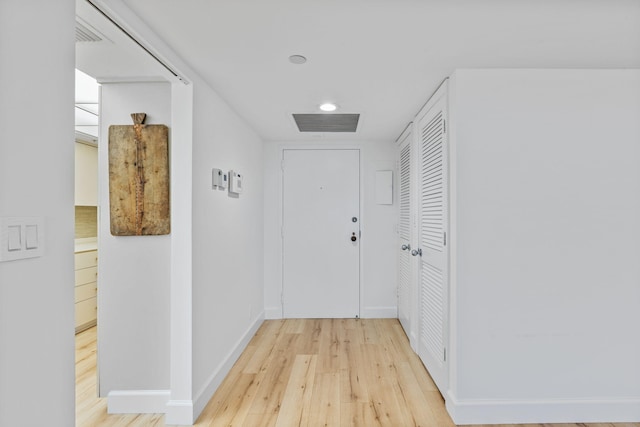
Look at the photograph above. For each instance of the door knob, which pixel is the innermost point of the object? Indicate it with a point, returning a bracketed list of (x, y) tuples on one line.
[(405, 247), (353, 237), (416, 252)]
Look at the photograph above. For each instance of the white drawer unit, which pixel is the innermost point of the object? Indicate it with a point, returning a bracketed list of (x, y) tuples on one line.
[(86, 289), (86, 312), (86, 259), (86, 275)]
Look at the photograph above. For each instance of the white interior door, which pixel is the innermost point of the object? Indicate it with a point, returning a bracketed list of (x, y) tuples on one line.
[(432, 251), (405, 285), (321, 233)]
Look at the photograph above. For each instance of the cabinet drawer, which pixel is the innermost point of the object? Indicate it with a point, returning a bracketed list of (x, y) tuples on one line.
[(86, 291), (86, 275), (86, 311), (86, 259)]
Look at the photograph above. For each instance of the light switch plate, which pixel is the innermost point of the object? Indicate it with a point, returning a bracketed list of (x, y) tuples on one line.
[(21, 237)]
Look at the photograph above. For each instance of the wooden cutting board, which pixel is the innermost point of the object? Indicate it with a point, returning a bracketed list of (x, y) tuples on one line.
[(139, 178)]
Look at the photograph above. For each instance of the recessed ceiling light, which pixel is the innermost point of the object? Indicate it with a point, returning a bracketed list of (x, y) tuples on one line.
[(297, 59), (327, 106)]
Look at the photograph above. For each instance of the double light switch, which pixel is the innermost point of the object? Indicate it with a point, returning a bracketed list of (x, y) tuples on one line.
[(21, 237)]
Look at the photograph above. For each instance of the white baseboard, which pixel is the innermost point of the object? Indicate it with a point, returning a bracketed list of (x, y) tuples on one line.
[(179, 413), (413, 342), (137, 401), (379, 312), (366, 313), (214, 381), (273, 313), (543, 411)]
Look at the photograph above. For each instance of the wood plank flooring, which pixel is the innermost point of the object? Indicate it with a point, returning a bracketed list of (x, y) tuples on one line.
[(304, 372), (329, 372)]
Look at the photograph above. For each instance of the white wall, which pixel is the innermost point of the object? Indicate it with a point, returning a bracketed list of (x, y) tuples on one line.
[(546, 243), (228, 301), (36, 179), (377, 250), (134, 271)]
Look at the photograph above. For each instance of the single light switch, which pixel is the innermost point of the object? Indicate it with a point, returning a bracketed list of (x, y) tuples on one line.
[(31, 236), (14, 238)]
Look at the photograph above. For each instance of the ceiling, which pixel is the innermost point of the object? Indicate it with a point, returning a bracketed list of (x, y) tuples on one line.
[(379, 58)]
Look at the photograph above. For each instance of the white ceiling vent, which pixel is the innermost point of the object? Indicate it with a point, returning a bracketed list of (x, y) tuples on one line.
[(326, 122), (84, 34)]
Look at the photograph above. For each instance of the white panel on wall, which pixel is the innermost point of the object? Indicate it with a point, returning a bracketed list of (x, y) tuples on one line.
[(384, 187)]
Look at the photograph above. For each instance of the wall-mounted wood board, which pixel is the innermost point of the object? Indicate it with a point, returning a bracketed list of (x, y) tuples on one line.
[(139, 180)]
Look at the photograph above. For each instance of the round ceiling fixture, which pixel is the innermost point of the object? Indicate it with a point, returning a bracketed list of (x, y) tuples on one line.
[(328, 107), (297, 59)]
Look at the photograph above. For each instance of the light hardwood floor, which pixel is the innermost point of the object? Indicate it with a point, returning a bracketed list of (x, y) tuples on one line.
[(304, 372)]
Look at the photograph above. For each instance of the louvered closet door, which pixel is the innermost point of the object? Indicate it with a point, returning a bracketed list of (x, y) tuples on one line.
[(432, 226), (404, 235)]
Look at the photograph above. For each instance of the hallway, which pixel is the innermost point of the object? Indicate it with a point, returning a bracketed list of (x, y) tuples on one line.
[(300, 372)]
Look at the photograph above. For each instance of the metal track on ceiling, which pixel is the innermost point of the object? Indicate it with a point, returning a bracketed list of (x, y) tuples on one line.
[(136, 41)]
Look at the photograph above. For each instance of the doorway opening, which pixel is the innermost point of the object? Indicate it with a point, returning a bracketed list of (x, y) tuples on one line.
[(86, 201), (111, 58)]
